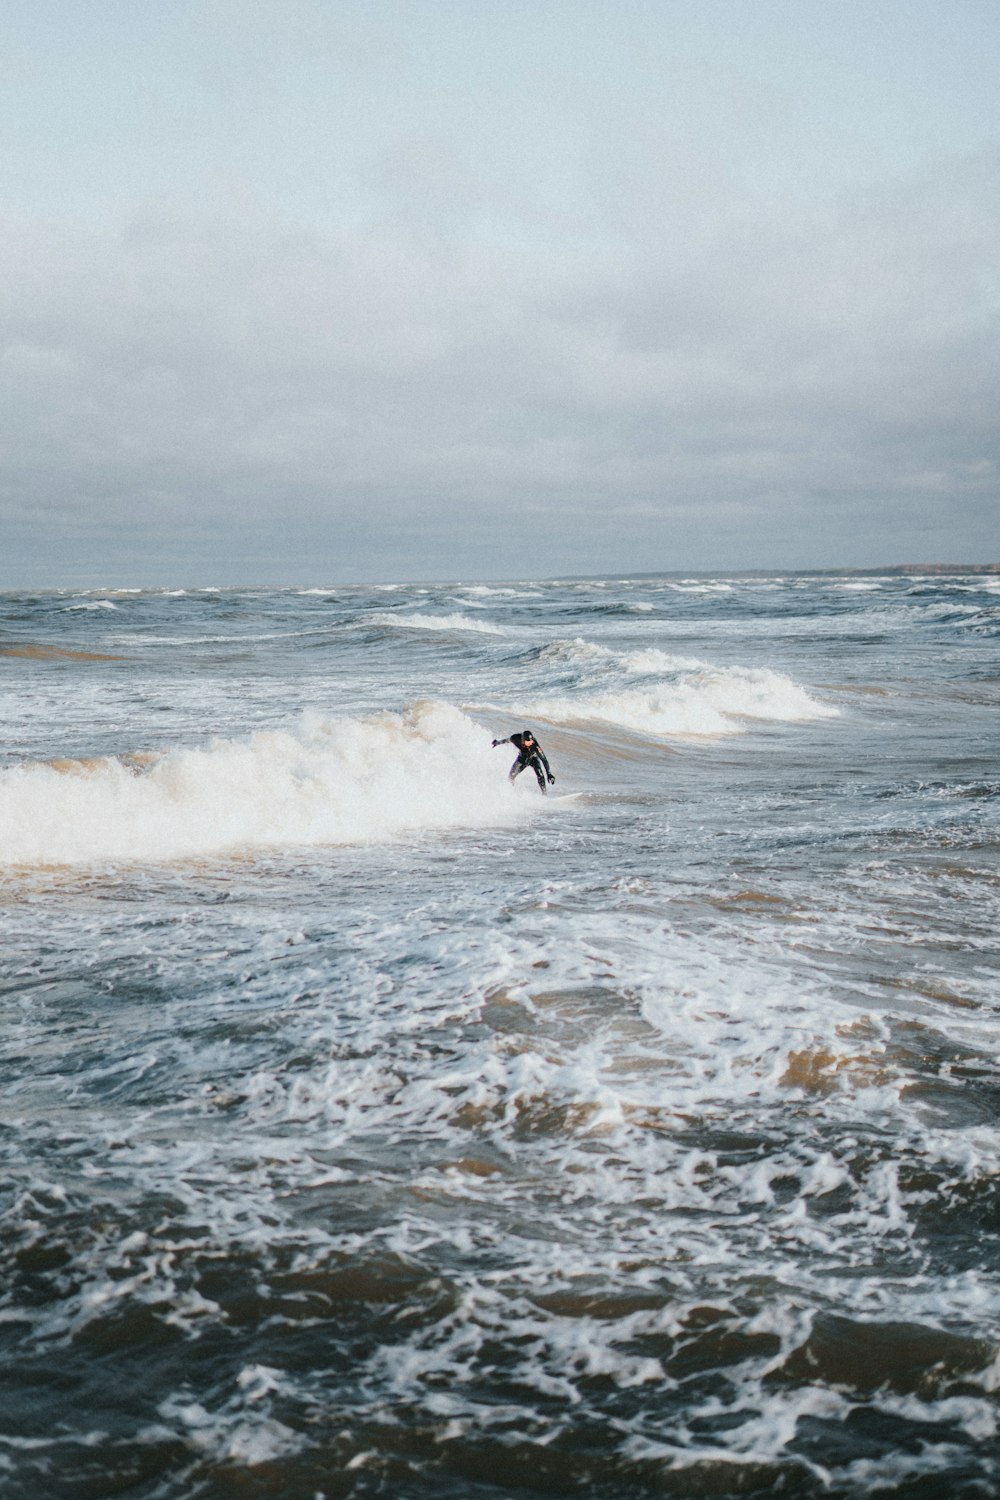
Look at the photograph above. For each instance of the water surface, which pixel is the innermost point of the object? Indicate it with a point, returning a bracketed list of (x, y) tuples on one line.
[(372, 1127)]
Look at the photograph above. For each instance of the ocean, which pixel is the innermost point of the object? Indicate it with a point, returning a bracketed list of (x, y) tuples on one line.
[(374, 1127)]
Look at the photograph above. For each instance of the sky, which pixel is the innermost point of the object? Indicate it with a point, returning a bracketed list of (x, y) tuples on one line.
[(319, 291)]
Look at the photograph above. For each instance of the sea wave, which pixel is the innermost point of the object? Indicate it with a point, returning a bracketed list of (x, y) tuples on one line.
[(706, 702), (327, 781), (646, 662), (682, 695), (697, 586), (444, 623)]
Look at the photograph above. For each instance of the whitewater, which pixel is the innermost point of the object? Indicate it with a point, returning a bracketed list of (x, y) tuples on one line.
[(373, 1126)]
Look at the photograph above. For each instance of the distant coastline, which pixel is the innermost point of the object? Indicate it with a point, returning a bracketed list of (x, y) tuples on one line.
[(933, 567), (889, 570)]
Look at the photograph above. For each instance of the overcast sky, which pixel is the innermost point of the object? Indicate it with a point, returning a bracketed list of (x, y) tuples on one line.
[(333, 290)]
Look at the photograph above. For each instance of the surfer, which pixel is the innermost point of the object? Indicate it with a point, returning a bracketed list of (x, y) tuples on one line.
[(529, 753)]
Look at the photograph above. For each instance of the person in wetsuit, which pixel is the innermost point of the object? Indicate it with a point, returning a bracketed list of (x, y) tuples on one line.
[(529, 753)]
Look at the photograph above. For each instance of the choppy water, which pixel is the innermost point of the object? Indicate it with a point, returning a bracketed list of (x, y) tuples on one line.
[(371, 1127)]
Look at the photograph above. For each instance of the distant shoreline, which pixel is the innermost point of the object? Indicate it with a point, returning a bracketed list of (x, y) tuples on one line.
[(888, 570), (934, 567)]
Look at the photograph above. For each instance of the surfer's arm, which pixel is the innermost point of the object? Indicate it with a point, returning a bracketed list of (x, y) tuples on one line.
[(541, 757)]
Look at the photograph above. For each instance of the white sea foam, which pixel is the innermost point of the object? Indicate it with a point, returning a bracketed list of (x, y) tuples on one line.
[(691, 586), (502, 593), (700, 702), (577, 652), (330, 781), (460, 623), (651, 661), (647, 662)]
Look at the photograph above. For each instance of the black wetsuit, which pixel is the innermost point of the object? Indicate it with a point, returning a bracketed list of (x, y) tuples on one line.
[(530, 754)]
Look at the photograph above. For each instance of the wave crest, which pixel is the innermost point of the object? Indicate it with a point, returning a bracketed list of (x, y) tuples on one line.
[(328, 781), (699, 701), (442, 623)]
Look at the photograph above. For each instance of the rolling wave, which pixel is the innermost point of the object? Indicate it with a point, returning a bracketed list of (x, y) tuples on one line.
[(588, 656), (442, 623), (684, 696), (706, 704), (330, 781)]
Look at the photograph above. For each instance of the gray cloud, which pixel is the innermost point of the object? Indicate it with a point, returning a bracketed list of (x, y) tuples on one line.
[(442, 386)]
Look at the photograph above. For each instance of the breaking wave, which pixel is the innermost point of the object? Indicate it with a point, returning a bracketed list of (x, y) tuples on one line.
[(682, 696), (714, 705), (446, 623), (329, 781)]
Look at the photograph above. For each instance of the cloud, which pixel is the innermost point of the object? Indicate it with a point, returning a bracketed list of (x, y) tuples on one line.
[(721, 378)]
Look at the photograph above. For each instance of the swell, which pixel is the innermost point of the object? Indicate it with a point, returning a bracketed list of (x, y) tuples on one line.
[(327, 781), (655, 694)]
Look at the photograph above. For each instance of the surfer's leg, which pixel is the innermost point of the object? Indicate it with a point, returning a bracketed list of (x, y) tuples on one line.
[(515, 770), (536, 767)]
